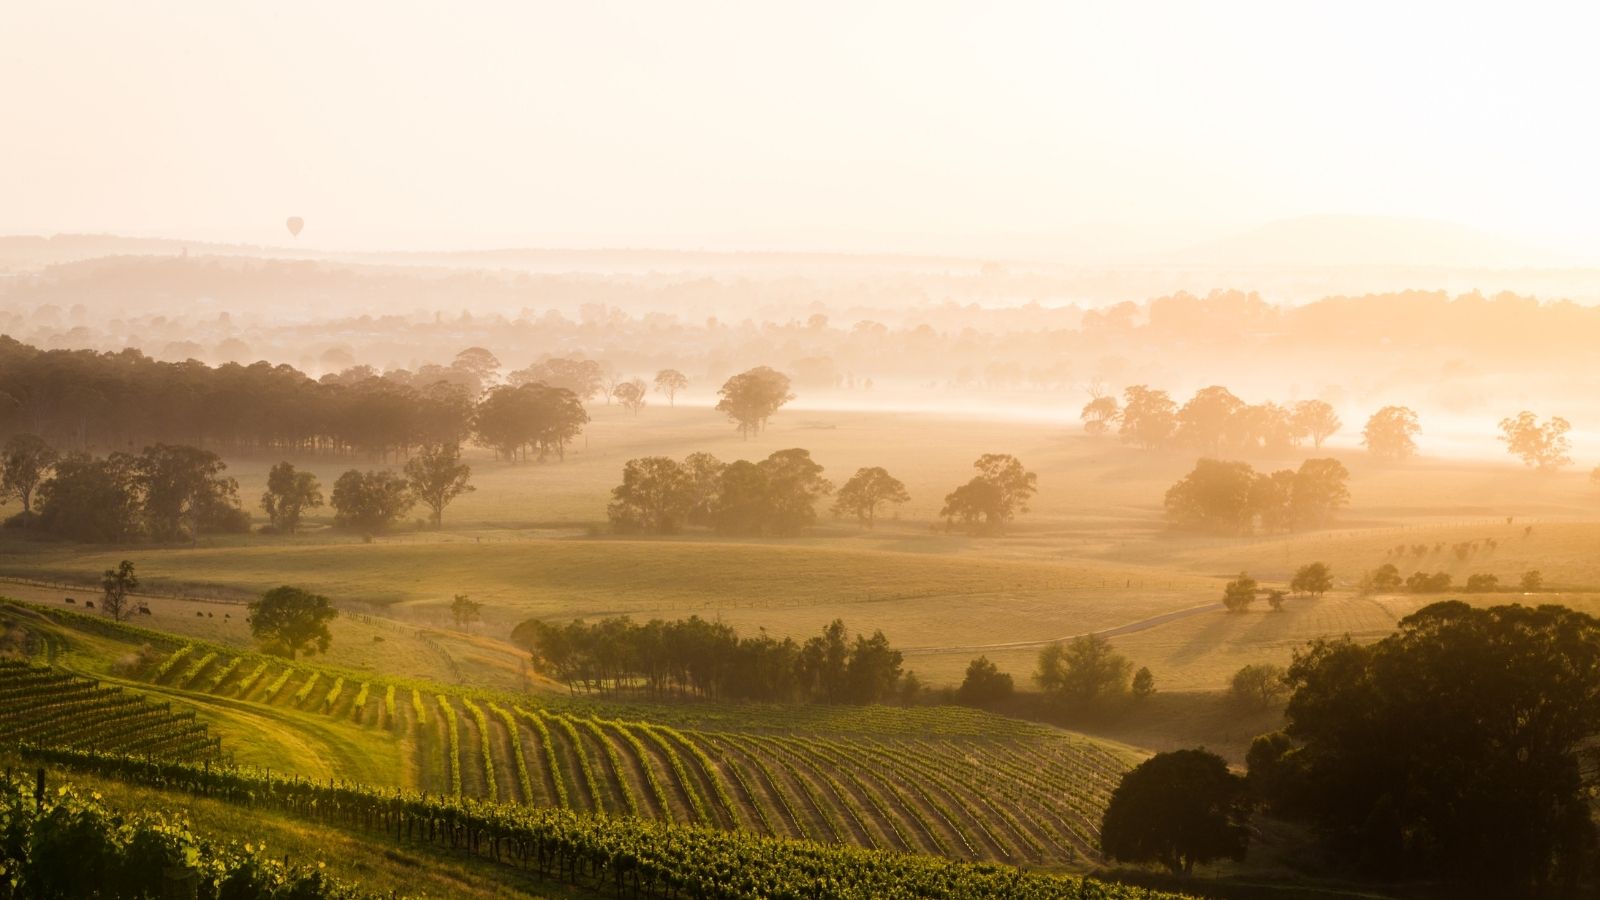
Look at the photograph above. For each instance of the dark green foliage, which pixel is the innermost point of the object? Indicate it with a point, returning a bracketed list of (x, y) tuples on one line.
[(370, 501), (984, 684), (1177, 809), (1451, 748), (710, 659), (1238, 594), (288, 621), (96, 500)]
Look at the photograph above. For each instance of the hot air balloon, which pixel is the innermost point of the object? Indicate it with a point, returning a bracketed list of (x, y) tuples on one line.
[(295, 223)]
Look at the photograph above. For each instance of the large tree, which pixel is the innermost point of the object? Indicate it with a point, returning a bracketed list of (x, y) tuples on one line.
[(1542, 446), (1149, 417), (289, 494), (670, 382), (185, 492), (533, 416), (1100, 413), (1455, 748), (655, 496), (1315, 419), (866, 491), (25, 462), (370, 501), (750, 398), (1177, 808), (1206, 421), (437, 476), (1391, 433), (289, 621)]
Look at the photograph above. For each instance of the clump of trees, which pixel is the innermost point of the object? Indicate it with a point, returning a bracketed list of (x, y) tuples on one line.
[(1391, 433), (750, 398), (1177, 809), (168, 492), (1225, 497), (1213, 421), (1312, 579), (709, 659), (1085, 675), (631, 394), (25, 462), (1411, 755), (775, 496), (1543, 446), (530, 418), (993, 497)]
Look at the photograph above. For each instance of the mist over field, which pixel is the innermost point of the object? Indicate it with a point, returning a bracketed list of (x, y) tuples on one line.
[(863, 451)]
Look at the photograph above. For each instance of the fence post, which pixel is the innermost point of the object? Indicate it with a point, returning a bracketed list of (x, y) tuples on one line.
[(38, 790)]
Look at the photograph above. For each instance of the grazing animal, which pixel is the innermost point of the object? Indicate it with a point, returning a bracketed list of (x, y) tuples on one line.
[(72, 601), (88, 604)]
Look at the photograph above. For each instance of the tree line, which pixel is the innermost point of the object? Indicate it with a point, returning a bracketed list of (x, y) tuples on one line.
[(79, 400), (171, 493), (694, 657), (778, 495), (1231, 497)]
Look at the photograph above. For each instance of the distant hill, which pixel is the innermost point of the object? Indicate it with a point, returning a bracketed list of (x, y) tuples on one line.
[(1348, 241)]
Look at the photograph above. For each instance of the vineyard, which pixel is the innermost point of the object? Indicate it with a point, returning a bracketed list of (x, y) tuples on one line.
[(627, 856), (946, 781), (46, 706)]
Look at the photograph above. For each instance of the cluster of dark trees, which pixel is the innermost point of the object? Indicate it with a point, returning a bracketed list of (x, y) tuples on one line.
[(1232, 498), (172, 493), (168, 493), (695, 657), (1458, 750), (1310, 580), (1386, 579), (775, 496), (80, 399)]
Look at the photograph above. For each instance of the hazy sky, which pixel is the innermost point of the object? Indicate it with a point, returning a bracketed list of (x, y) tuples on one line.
[(857, 125)]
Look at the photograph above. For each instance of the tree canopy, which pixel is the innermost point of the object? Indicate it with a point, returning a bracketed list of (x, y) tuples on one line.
[(1177, 808), (1391, 433), (289, 494), (1545, 446), (994, 496), (866, 491), (751, 397), (290, 621), (436, 476), (1412, 755), (370, 501)]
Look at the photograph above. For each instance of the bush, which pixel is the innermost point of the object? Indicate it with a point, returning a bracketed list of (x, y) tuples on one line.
[(985, 684)]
